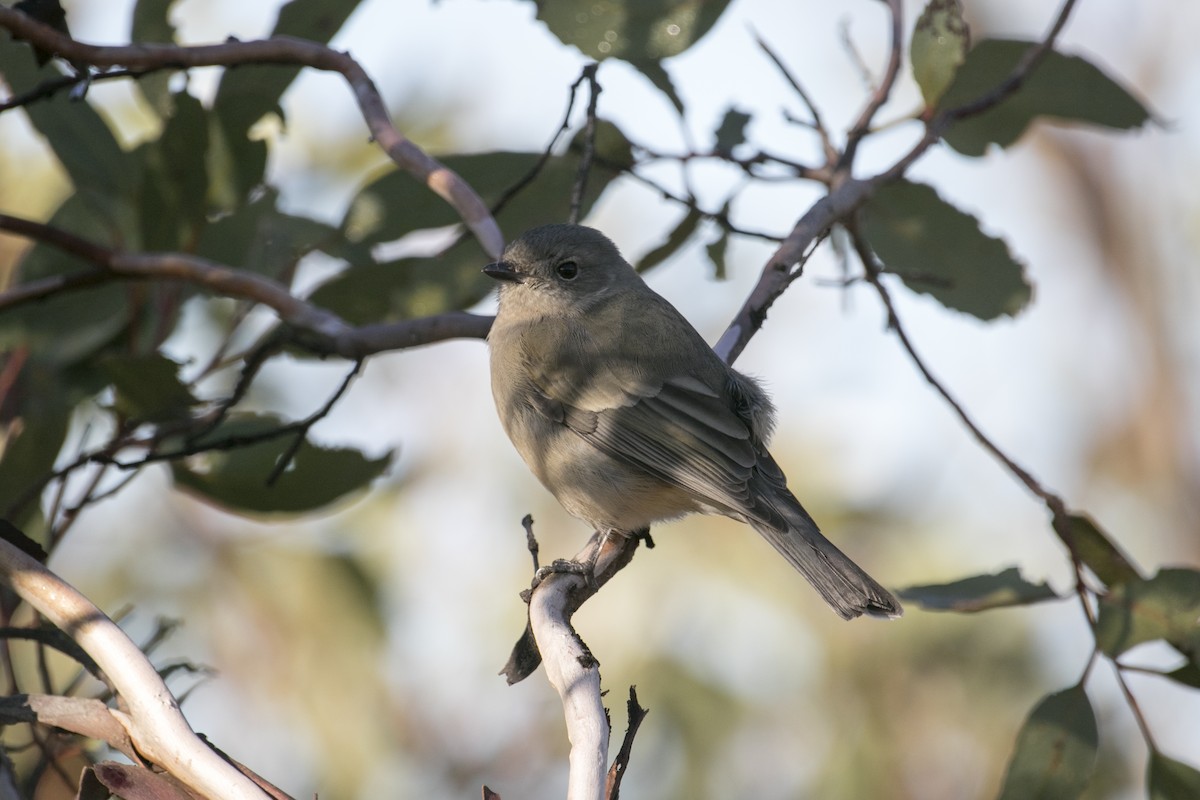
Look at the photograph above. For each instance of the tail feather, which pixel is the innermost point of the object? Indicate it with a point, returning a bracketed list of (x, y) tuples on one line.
[(846, 587)]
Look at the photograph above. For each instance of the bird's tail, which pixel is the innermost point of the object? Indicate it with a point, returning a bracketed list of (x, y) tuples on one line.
[(848, 589)]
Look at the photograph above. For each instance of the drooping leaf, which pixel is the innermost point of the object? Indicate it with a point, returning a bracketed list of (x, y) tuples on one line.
[(395, 204), (1096, 549), (148, 388), (979, 593), (1188, 674), (939, 45), (235, 474), (1064, 87), (75, 131), (70, 325), (1168, 779), (33, 441), (174, 195), (405, 289), (939, 250), (641, 32), (732, 130), (247, 94), (1166, 606), (152, 25), (1055, 752), (676, 239), (630, 29), (259, 238)]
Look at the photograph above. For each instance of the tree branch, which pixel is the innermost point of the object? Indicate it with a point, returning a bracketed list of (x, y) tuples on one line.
[(570, 666), (154, 722), (281, 50), (320, 330)]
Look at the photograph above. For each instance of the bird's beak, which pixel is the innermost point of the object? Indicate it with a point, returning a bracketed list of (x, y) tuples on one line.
[(503, 271)]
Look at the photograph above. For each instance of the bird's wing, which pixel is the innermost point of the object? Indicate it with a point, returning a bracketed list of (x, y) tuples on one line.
[(682, 432)]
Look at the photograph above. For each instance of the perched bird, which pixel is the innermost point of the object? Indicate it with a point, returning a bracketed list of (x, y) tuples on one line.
[(628, 417)]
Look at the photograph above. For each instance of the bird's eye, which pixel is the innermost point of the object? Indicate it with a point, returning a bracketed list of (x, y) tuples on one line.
[(567, 270)]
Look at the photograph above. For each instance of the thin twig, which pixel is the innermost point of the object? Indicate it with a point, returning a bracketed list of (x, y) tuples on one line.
[(1143, 726), (862, 125), (636, 713), (280, 50), (312, 327), (589, 145), (817, 124), (306, 425), (531, 542)]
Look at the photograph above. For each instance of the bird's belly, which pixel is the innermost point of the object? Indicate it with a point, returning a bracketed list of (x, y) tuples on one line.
[(594, 487)]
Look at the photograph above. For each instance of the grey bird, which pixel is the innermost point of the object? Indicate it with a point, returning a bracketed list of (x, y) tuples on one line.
[(628, 417)]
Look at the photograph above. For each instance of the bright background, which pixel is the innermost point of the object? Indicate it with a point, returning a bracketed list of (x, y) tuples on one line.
[(356, 653)]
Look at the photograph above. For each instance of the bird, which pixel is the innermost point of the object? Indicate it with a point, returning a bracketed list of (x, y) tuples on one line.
[(626, 415)]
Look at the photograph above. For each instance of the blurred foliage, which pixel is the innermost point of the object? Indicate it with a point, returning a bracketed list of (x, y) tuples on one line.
[(199, 186)]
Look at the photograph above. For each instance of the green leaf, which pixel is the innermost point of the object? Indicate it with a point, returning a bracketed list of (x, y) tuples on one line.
[(1168, 779), (1055, 753), (247, 94), (630, 29), (148, 388), (676, 239), (939, 46), (175, 179), (405, 289), (1061, 86), (69, 326), (235, 476), (260, 238), (732, 130), (641, 32), (1096, 549), (395, 204), (33, 442), (152, 24), (1188, 674), (980, 593), (939, 250), (1166, 606), (75, 131)]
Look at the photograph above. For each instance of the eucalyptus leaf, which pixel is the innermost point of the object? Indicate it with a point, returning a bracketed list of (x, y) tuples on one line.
[(234, 474), (71, 325), (979, 593), (75, 131), (259, 238), (641, 32), (1096, 549), (148, 388), (1055, 753), (1063, 87), (1168, 779), (1166, 606), (938, 250), (630, 29), (32, 444), (247, 94), (939, 45), (175, 179), (152, 24)]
